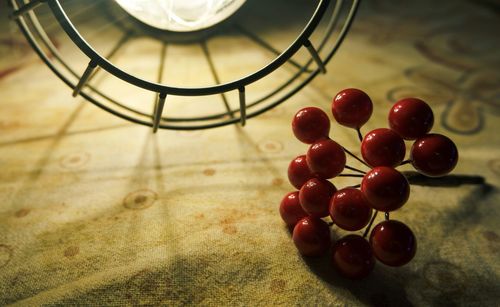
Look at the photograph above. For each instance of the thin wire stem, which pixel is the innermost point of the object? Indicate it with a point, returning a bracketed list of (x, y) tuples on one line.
[(360, 136), (387, 216), (355, 169), (350, 175), (355, 157), (367, 230), (405, 162)]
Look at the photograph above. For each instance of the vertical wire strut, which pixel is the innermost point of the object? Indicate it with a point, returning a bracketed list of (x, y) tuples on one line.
[(243, 106), (112, 53), (159, 79), (159, 111), (26, 8), (85, 77), (265, 45), (215, 75), (315, 56)]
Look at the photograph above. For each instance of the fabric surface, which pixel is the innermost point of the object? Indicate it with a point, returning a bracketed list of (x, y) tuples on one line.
[(99, 211)]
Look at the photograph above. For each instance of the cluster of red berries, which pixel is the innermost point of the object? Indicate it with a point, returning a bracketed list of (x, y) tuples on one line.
[(383, 188)]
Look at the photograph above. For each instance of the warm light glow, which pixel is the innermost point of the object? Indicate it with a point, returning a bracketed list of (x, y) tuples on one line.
[(181, 15)]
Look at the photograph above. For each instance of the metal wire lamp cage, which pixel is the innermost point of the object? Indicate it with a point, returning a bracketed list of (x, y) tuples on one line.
[(228, 94)]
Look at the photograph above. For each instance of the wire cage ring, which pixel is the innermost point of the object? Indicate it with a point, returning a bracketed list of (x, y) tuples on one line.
[(325, 11)]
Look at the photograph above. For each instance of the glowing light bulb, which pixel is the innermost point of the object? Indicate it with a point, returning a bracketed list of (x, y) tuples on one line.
[(181, 15)]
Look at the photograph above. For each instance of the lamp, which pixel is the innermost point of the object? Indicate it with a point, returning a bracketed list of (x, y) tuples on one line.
[(179, 15), (318, 29)]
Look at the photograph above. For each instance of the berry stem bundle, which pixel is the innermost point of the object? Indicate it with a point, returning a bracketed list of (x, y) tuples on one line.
[(382, 187)]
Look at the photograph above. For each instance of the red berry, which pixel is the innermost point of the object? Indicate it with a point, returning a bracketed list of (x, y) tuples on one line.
[(326, 158), (290, 209), (411, 118), (349, 209), (315, 196), (352, 108), (434, 155), (393, 243), (298, 172), (383, 147), (352, 256), (385, 188), (311, 236), (310, 124)]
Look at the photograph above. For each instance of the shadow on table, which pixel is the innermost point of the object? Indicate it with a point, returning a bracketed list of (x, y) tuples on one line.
[(448, 181), (438, 282), (379, 289)]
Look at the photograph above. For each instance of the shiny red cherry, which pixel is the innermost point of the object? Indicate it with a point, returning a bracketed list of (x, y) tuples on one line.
[(326, 158), (310, 125), (298, 172), (315, 196), (393, 243), (383, 147), (311, 236), (352, 108), (411, 118), (434, 155), (352, 256), (290, 209), (385, 188), (349, 209)]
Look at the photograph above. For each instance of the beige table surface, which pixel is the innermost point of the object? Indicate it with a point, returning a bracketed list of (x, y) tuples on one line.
[(98, 211)]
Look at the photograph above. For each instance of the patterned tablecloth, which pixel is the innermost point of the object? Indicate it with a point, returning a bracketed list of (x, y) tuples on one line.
[(95, 210)]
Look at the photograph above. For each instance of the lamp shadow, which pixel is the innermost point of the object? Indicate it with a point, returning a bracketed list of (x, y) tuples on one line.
[(251, 151)]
